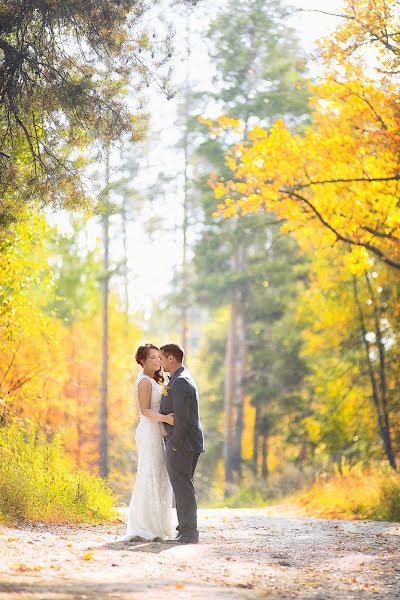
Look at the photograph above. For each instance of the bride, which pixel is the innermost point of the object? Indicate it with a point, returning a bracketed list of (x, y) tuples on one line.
[(150, 508)]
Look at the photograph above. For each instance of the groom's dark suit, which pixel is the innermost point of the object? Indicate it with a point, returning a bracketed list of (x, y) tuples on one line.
[(184, 443)]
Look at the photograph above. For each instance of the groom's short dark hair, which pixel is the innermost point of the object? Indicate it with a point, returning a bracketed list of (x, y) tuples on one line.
[(175, 350)]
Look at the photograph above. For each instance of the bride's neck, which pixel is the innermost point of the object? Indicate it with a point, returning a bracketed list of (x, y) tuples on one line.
[(148, 373)]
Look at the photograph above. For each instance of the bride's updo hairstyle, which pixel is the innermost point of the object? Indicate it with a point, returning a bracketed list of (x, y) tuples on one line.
[(142, 353)]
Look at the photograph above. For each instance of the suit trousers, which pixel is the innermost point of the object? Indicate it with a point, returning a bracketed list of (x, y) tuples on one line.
[(181, 467)]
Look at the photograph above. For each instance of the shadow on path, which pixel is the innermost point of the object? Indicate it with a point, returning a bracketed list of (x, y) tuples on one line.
[(152, 547), (79, 588)]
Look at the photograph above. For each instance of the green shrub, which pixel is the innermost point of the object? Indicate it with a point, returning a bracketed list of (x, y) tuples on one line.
[(39, 483), (245, 497)]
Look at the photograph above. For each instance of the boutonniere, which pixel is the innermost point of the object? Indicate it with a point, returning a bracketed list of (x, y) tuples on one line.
[(164, 388)]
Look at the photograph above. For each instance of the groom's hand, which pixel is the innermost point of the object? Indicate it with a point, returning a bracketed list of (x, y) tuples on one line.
[(169, 419)]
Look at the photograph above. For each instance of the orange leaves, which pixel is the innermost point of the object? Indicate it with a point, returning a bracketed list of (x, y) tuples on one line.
[(80, 396), (219, 190), (31, 333), (221, 123), (225, 122), (205, 121), (49, 367)]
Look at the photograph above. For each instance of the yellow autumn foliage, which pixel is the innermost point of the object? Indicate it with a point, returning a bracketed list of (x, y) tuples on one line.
[(339, 179), (50, 370)]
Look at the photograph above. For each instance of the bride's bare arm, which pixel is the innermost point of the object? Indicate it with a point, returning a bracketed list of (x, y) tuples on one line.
[(144, 397)]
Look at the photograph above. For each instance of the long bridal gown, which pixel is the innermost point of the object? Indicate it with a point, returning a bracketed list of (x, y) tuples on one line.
[(150, 508)]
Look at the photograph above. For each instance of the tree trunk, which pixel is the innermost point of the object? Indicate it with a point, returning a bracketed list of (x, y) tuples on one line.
[(79, 414), (256, 435), (79, 432), (105, 293), (264, 450), (240, 347), (382, 425), (228, 400), (186, 200), (125, 259), (382, 378), (302, 457)]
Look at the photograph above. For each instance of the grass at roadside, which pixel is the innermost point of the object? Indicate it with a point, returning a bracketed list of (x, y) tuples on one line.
[(39, 483), (356, 493)]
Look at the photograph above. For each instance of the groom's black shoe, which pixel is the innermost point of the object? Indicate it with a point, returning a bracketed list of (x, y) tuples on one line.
[(185, 538)]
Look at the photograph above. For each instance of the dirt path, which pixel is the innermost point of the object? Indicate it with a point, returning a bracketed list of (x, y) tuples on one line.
[(243, 553)]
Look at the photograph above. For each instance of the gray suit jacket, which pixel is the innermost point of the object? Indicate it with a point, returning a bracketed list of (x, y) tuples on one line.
[(183, 400)]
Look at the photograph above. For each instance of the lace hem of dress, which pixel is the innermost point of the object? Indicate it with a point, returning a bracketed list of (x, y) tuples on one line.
[(145, 535)]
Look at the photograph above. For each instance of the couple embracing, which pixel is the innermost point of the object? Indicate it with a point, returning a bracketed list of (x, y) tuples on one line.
[(169, 442)]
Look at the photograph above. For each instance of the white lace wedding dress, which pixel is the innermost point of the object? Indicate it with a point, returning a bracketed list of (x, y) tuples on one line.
[(150, 508)]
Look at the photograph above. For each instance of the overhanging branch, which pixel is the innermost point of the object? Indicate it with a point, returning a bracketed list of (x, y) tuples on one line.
[(343, 238)]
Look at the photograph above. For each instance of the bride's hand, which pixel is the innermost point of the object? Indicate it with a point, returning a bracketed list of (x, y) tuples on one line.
[(169, 419)]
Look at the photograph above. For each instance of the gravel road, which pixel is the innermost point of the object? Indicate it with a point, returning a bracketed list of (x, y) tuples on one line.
[(269, 553)]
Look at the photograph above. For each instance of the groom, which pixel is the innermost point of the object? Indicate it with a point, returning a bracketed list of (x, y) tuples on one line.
[(184, 440)]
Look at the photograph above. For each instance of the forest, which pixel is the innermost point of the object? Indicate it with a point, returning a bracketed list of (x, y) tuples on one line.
[(258, 226)]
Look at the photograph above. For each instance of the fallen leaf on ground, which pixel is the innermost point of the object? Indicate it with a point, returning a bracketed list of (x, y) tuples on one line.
[(21, 567)]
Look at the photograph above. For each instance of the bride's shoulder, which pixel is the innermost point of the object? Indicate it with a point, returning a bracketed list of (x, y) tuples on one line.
[(143, 377)]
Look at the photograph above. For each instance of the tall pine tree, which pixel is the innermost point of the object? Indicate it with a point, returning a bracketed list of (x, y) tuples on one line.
[(260, 76)]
